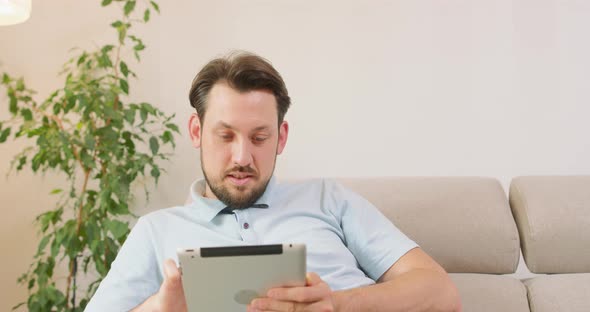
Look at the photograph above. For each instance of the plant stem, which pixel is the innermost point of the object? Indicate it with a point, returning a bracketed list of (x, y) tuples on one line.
[(86, 178), (71, 269), (78, 227), (106, 251)]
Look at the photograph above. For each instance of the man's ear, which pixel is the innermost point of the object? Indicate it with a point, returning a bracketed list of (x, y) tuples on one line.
[(194, 129), (283, 135)]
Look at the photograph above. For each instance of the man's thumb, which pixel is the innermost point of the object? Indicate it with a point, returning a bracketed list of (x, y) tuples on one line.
[(170, 270)]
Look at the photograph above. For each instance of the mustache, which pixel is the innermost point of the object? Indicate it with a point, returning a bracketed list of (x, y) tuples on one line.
[(241, 169)]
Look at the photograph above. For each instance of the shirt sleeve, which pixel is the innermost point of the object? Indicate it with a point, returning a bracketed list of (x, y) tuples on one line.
[(373, 239), (134, 275)]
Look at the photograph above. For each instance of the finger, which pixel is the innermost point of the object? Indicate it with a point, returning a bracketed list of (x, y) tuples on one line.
[(301, 294), (312, 279), (268, 304)]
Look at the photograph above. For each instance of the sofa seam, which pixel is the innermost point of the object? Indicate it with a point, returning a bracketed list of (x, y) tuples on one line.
[(527, 227)]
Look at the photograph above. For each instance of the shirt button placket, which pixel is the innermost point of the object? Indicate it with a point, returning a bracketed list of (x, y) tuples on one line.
[(246, 230)]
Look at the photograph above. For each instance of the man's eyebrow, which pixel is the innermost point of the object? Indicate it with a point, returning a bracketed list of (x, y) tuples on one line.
[(228, 126), (260, 128), (224, 125)]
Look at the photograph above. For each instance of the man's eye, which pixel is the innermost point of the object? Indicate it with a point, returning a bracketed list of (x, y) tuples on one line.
[(225, 136), (259, 139)]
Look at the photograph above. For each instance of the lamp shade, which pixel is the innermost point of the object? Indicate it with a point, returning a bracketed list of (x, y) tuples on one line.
[(14, 11)]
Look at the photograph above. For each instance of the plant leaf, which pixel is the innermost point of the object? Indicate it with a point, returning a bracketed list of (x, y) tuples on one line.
[(20, 85), (155, 172), (43, 244), (117, 228), (139, 46), (122, 33), (106, 2), (104, 61), (21, 162), (172, 127), (155, 6), (124, 85), (4, 135), (13, 107), (130, 116), (117, 24), (107, 48), (82, 58), (129, 7), (124, 68), (146, 15), (27, 114), (143, 113), (167, 137), (154, 145)]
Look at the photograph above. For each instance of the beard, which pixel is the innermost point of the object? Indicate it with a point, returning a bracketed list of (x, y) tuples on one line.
[(242, 197)]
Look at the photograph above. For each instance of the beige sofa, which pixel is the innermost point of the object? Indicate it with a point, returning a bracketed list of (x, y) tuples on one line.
[(476, 233)]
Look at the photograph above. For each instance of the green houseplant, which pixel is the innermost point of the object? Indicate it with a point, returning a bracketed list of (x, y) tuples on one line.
[(101, 143)]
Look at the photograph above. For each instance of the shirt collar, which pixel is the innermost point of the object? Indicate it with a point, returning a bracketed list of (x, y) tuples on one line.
[(208, 208)]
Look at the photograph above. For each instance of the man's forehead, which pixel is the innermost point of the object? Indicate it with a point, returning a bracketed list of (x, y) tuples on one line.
[(232, 109)]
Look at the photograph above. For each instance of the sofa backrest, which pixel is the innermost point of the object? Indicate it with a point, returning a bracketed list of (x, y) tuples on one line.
[(553, 218), (464, 223)]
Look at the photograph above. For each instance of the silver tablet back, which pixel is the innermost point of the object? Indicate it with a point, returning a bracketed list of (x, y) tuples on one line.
[(228, 278)]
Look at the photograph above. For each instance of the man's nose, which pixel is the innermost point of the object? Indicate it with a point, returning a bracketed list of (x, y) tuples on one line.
[(242, 154)]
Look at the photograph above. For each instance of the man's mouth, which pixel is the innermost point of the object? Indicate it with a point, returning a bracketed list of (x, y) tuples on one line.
[(239, 178)]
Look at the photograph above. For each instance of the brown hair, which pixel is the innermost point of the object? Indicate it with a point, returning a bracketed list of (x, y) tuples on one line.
[(244, 72)]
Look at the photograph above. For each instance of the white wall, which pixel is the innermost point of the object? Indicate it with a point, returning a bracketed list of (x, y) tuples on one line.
[(488, 88)]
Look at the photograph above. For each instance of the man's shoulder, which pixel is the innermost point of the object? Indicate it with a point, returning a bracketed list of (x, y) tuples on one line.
[(309, 183), (329, 190)]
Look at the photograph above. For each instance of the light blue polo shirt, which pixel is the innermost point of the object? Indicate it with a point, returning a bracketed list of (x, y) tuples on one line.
[(349, 242)]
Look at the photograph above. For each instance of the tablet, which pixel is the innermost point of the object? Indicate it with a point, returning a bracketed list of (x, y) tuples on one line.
[(228, 278)]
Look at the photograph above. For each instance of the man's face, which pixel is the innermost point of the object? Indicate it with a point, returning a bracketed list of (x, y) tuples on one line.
[(239, 141)]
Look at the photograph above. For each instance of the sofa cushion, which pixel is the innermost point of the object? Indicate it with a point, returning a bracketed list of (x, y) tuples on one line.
[(559, 293), (464, 223), (553, 218), (486, 292)]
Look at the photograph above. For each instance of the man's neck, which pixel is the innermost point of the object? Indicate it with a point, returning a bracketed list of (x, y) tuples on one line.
[(208, 193)]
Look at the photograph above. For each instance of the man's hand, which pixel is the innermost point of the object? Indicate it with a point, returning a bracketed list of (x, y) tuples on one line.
[(315, 296), (170, 297)]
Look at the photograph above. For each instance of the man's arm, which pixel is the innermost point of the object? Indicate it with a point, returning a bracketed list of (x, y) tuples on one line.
[(414, 283), (133, 276)]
